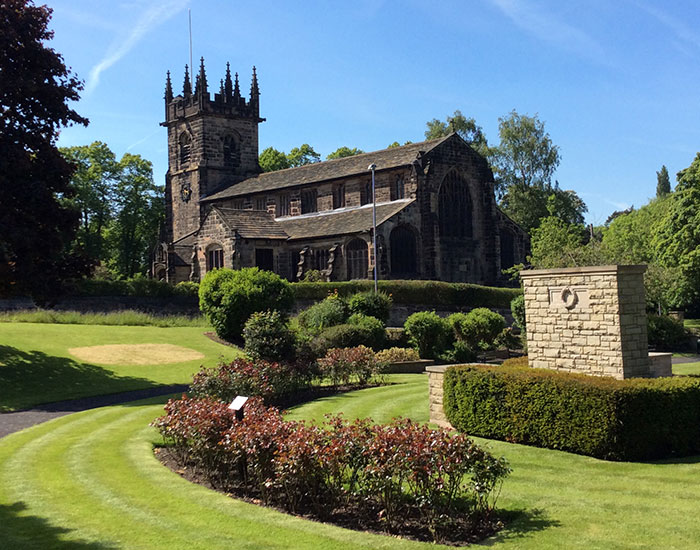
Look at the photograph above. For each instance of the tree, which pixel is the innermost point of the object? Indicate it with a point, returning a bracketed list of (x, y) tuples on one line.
[(526, 156), (397, 144), (38, 226), (343, 152), (528, 205), (271, 160), (466, 128), (566, 205), (94, 179), (663, 183), (301, 156), (140, 213), (556, 243)]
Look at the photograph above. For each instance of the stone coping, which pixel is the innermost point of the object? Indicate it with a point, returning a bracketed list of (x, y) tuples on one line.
[(660, 354), (588, 270)]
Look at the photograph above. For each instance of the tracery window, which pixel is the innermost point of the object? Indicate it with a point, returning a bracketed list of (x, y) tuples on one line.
[(185, 148), (283, 205), (308, 201), (215, 257), (232, 153), (320, 259), (366, 193), (402, 242), (339, 196), (398, 189), (261, 203), (507, 249), (357, 254), (454, 207)]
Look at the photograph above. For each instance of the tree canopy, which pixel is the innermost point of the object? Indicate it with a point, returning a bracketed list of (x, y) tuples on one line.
[(271, 160), (466, 128), (38, 221), (303, 155), (663, 183), (342, 152)]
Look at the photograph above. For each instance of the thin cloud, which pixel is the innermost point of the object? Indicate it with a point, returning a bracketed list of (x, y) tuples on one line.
[(143, 140), (683, 33), (157, 13), (548, 28)]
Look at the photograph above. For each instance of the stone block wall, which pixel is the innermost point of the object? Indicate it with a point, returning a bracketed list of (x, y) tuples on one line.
[(590, 320), (436, 376)]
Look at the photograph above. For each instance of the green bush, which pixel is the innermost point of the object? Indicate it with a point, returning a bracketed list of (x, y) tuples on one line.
[(368, 303), (340, 336), (186, 288), (374, 326), (229, 297), (326, 313), (666, 333), (634, 419), (479, 328), (397, 355), (517, 309), (344, 365), (430, 293), (460, 352), (429, 333), (137, 286), (267, 336)]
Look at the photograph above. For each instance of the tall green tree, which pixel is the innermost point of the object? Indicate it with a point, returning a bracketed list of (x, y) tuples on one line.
[(525, 156), (94, 180), (342, 152), (303, 155), (466, 128), (36, 90), (138, 218), (271, 160), (663, 183)]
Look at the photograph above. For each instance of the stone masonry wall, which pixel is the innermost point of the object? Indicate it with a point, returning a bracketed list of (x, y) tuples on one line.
[(590, 320)]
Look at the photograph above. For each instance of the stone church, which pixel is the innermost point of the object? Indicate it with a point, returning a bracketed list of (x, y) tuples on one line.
[(436, 214)]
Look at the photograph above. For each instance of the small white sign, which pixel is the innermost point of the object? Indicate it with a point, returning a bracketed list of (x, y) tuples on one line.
[(237, 404)]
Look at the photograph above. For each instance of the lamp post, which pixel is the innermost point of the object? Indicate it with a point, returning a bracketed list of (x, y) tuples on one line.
[(373, 167)]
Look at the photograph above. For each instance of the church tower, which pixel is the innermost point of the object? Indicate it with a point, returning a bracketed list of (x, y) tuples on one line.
[(212, 144)]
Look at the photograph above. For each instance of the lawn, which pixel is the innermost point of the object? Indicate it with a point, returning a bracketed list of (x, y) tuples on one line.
[(37, 367), (90, 481)]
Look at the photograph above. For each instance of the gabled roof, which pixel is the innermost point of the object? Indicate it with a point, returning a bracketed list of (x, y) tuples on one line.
[(328, 170), (251, 224), (345, 221)]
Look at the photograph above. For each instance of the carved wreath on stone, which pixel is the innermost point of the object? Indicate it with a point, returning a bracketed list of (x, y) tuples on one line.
[(569, 297)]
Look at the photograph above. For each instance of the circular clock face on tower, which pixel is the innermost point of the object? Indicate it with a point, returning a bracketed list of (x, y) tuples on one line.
[(185, 192)]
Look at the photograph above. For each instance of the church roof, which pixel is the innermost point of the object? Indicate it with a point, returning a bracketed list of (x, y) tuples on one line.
[(328, 170), (252, 224), (343, 221)]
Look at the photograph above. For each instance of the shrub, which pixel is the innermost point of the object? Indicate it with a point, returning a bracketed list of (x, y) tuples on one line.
[(666, 333), (327, 313), (460, 352), (517, 309), (635, 419), (229, 297), (340, 336), (374, 326), (266, 379), (374, 305), (478, 328), (186, 288), (430, 334), (507, 340), (399, 468), (343, 365), (397, 355), (267, 336), (313, 276)]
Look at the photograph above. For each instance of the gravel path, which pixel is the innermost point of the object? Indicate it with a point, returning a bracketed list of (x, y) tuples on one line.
[(15, 421)]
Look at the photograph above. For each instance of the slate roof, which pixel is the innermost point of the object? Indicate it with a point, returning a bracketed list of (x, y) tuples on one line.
[(339, 222), (328, 170), (252, 224)]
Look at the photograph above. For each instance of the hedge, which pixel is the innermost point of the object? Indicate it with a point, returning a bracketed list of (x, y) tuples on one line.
[(433, 293), (137, 286), (634, 419)]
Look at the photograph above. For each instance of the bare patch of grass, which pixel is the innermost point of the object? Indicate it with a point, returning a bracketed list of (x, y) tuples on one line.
[(135, 354)]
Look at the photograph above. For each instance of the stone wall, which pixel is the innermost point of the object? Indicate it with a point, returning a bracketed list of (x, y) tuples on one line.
[(590, 320), (436, 376)]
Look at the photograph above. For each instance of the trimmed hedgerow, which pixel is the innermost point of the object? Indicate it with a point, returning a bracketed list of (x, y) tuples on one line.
[(396, 471), (432, 293), (635, 419)]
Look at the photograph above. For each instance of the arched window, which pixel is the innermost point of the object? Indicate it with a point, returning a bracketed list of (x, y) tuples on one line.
[(185, 146), (507, 250), (398, 189), (454, 207), (215, 257), (366, 193), (232, 152), (357, 254), (402, 242)]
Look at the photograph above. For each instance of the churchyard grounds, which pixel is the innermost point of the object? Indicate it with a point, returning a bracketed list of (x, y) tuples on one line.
[(90, 480)]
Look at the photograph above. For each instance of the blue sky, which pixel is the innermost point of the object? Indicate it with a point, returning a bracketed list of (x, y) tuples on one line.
[(615, 82)]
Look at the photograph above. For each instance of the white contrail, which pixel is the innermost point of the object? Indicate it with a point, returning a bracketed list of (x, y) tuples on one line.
[(157, 13)]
